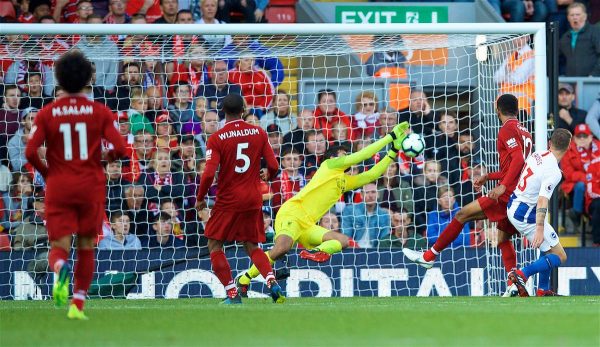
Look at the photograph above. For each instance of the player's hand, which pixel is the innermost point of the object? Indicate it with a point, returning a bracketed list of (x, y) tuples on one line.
[(62, 3), (200, 205), (479, 182), (400, 132), (538, 238), (264, 175), (497, 192)]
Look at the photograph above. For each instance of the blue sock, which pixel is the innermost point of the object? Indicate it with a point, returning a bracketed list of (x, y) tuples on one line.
[(544, 280), (545, 263)]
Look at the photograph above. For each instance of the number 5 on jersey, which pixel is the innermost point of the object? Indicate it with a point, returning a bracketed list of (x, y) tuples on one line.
[(241, 156), (81, 129)]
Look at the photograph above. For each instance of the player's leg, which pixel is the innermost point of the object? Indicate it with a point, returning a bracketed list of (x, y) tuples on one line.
[(283, 244), (58, 262), (470, 212), (507, 250), (263, 263), (321, 243), (83, 275), (222, 270)]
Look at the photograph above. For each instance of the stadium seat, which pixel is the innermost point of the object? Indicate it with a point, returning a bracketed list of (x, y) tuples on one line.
[(282, 2), (4, 242), (7, 10), (281, 14)]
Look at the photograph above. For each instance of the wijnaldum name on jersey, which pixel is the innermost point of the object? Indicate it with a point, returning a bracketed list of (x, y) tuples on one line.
[(238, 133)]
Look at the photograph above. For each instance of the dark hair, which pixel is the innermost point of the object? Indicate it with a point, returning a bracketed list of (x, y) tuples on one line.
[(47, 17), (181, 12), (163, 216), (332, 152), (9, 87), (233, 105), (131, 63), (180, 84), (443, 190), (73, 71), (325, 92), (508, 105), (289, 150), (137, 16), (116, 214), (32, 73), (311, 132), (560, 140)]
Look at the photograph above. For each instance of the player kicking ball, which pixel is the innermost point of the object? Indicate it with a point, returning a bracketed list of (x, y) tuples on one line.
[(527, 210), (236, 150), (513, 145), (297, 218), (72, 128)]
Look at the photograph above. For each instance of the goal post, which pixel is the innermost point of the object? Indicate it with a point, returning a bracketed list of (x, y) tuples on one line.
[(454, 64)]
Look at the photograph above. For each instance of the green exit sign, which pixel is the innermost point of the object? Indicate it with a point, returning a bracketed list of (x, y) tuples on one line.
[(391, 14)]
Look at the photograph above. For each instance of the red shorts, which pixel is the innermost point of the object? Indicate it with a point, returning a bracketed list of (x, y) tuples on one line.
[(236, 226), (68, 219), (495, 211)]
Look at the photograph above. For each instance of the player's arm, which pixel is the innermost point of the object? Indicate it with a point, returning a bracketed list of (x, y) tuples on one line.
[(269, 155), (212, 163), (398, 134), (37, 137), (546, 189), (356, 181), (110, 133)]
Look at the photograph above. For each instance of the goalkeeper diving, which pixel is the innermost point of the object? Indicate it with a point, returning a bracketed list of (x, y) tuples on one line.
[(296, 221)]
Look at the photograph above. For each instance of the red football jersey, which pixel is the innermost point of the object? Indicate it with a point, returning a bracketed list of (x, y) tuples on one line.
[(512, 137), (73, 128), (236, 150)]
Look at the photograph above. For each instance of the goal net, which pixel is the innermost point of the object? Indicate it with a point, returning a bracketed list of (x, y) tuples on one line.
[(309, 91)]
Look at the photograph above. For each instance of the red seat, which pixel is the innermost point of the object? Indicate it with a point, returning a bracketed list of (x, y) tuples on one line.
[(7, 10), (4, 242), (282, 2), (277, 14)]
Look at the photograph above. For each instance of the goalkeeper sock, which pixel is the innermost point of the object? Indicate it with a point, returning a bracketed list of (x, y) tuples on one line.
[(263, 263), (253, 272), (509, 256), (330, 247), (84, 272), (57, 257), (545, 263), (446, 237), (221, 268)]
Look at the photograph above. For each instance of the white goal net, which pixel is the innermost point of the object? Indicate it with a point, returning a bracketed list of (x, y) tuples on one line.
[(308, 91)]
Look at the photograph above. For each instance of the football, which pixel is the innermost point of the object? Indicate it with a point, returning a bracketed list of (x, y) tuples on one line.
[(413, 145)]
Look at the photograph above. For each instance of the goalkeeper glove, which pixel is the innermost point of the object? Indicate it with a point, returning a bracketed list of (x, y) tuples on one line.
[(398, 134)]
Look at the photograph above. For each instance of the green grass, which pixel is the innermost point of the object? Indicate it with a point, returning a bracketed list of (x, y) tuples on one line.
[(397, 321)]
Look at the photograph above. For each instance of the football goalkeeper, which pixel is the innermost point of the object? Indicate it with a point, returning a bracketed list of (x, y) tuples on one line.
[(297, 217)]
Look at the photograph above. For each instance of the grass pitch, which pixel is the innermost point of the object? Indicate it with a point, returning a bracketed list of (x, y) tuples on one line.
[(397, 321)]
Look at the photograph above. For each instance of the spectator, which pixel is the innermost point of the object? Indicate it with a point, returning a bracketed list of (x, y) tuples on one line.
[(516, 74), (393, 193), (103, 52), (290, 180), (150, 9), (219, 87), (252, 119), (593, 198), (468, 150), (275, 138), (134, 206), (245, 7), (268, 224), (117, 14), (120, 238), (315, 146), (583, 149), (32, 232), (168, 206), (130, 77), (160, 182), (330, 221), (34, 96), (186, 160), (280, 114), (439, 218), (388, 119), (9, 118), (140, 155), (200, 106), (465, 193), (444, 146), (340, 133), (193, 70), (419, 114), (365, 121), (243, 44), (169, 10), (180, 110), (366, 222), (593, 118), (568, 115), (16, 145), (137, 120), (63, 11), (386, 59), (18, 200), (36, 10), (327, 113), (124, 127), (98, 93), (581, 44), (163, 232), (533, 10), (404, 234), (305, 122), (209, 12), (84, 10), (166, 140), (257, 88), (115, 185), (154, 101), (210, 125), (425, 196)]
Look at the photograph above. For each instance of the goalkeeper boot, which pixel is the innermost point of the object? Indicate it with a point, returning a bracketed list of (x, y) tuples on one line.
[(546, 292), (75, 313), (519, 279), (60, 289), (276, 292), (314, 255), (242, 288), (417, 258)]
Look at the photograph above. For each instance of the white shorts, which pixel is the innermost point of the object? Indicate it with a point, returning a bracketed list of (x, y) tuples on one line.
[(522, 217)]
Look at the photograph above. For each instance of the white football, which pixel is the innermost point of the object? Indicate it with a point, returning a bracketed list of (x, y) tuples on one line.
[(413, 145)]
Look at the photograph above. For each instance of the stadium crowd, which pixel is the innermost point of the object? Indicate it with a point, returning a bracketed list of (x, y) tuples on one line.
[(167, 110)]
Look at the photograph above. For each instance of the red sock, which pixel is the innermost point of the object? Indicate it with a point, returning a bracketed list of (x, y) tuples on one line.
[(84, 272), (260, 260), (221, 268), (56, 258), (509, 256), (446, 237)]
